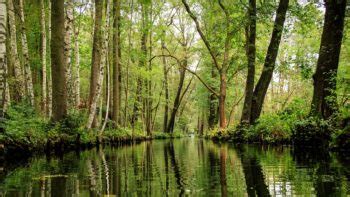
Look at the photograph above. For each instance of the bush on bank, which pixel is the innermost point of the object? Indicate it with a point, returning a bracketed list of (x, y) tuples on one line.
[(291, 126), (27, 130)]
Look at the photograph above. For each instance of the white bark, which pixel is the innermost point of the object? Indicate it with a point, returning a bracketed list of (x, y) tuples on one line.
[(19, 81), (3, 65), (96, 97), (27, 69), (68, 48), (43, 58)]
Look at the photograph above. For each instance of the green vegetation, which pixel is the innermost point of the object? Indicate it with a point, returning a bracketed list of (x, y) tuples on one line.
[(86, 72)]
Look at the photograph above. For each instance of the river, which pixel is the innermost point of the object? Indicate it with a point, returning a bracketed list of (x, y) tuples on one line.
[(180, 167)]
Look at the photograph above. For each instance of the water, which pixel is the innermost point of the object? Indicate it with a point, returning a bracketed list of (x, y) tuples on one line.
[(181, 167)]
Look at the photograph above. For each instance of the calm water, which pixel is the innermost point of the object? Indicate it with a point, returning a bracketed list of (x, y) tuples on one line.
[(181, 167)]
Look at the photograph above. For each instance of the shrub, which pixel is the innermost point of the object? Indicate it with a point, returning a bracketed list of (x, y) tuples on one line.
[(312, 131), (23, 127)]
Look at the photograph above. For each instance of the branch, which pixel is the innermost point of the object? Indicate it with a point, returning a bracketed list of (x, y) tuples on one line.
[(199, 30), (190, 71)]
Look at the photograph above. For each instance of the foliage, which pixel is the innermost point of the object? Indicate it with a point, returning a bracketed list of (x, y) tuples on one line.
[(23, 127), (312, 131)]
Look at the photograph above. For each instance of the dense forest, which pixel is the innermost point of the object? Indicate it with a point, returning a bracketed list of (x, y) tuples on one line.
[(272, 71)]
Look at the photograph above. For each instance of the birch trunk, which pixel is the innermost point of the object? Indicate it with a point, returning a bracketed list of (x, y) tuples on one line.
[(18, 86), (68, 48), (27, 69), (3, 65), (49, 84), (100, 46), (43, 58)]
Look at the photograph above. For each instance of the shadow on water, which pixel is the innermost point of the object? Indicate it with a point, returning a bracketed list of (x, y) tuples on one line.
[(180, 167)]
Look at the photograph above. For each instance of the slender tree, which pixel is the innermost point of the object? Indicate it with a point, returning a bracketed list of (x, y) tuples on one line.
[(25, 52), (69, 21), (43, 58), (19, 86), (116, 62), (270, 61), (250, 51), (324, 101), (220, 67), (3, 65), (58, 62), (98, 63)]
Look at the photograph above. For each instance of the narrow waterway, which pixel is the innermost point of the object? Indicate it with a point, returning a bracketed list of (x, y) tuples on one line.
[(187, 166)]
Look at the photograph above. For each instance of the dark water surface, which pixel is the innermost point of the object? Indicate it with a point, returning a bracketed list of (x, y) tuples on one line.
[(180, 167)]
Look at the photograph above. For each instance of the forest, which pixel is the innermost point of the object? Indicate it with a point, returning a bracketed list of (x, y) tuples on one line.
[(79, 73)]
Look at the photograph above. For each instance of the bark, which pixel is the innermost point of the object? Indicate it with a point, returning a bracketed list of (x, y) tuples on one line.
[(222, 98), (18, 86), (166, 88), (58, 62), (116, 63), (3, 65), (171, 124), (43, 58), (49, 83), (324, 101), (98, 57), (213, 105), (76, 88), (27, 69), (270, 60), (250, 51), (68, 49)]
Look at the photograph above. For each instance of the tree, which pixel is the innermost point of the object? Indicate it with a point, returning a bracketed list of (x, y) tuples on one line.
[(98, 59), (18, 86), (69, 21), (43, 58), (116, 62), (324, 101), (250, 51), (58, 62), (25, 52), (3, 65), (221, 68), (270, 61)]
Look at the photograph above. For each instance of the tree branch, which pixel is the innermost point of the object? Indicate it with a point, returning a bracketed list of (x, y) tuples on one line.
[(190, 71), (199, 30)]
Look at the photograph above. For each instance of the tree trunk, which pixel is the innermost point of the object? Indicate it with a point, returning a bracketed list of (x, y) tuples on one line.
[(250, 51), (49, 84), (77, 67), (270, 60), (142, 63), (3, 65), (166, 88), (116, 63), (176, 104), (58, 62), (324, 101), (68, 49), (98, 57), (213, 105), (43, 58), (27, 69), (222, 99), (19, 86)]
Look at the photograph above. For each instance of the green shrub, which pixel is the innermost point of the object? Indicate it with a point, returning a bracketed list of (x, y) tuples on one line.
[(312, 131), (23, 127)]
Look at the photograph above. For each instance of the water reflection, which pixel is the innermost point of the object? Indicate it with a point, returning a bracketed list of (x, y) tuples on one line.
[(178, 168)]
